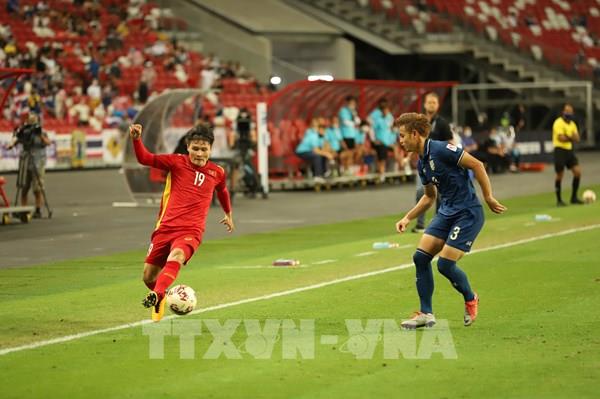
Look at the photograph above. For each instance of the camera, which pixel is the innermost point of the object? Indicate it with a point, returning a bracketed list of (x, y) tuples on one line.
[(27, 134), (244, 123)]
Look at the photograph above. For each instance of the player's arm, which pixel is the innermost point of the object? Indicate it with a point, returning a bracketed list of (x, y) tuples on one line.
[(559, 132), (563, 138), (424, 203), (225, 201), (144, 156), (575, 137), (468, 161), (13, 143)]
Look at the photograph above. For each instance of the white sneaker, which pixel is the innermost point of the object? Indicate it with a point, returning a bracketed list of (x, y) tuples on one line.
[(419, 320), (319, 180)]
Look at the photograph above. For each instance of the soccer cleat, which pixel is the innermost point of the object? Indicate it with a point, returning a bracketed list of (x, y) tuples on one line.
[(471, 310), (157, 304), (418, 320), (418, 229), (576, 201), (150, 300), (560, 204), (158, 310)]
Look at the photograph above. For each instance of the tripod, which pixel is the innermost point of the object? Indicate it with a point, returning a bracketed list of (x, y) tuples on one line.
[(27, 165)]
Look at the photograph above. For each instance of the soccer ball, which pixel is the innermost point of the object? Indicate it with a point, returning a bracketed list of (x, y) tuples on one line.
[(181, 299), (589, 196)]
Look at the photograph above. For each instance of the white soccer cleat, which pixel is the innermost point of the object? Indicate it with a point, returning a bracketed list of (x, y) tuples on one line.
[(419, 320)]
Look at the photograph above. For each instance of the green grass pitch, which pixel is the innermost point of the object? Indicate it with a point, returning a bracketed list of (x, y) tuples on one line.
[(536, 336)]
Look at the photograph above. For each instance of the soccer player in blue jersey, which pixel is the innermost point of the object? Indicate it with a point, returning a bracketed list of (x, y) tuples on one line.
[(443, 168)]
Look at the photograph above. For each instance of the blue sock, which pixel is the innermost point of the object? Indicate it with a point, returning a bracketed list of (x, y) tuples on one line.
[(457, 277), (424, 279)]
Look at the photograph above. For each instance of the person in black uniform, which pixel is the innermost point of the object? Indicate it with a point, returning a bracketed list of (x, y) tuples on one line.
[(440, 131)]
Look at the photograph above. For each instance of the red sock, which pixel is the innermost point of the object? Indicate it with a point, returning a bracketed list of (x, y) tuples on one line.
[(151, 285), (166, 277)]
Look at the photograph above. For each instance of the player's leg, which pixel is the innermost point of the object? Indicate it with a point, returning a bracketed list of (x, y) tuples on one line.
[(559, 167), (576, 169), (461, 238), (182, 250), (150, 275), (166, 276), (158, 253), (430, 244), (169, 273)]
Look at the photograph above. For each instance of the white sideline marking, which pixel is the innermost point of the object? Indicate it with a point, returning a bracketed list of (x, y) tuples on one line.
[(404, 246), (323, 262), (365, 253), (284, 293)]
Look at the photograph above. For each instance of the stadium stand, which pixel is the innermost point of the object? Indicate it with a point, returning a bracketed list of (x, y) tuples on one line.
[(564, 33), (90, 57)]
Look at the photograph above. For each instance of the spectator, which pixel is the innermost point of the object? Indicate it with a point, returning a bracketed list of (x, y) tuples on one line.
[(333, 136), (81, 112), (94, 92), (382, 120), (207, 77), (518, 118), (311, 149), (349, 122), (495, 154)]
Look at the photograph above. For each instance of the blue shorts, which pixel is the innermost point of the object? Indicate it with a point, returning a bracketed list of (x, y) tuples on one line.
[(458, 231)]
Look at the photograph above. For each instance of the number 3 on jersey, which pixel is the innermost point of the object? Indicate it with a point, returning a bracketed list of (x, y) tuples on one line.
[(455, 232), (199, 179)]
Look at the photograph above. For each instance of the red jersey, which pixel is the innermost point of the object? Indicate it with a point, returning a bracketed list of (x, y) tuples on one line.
[(188, 190)]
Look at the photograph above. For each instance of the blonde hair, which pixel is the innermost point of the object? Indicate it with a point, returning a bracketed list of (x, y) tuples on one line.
[(413, 121)]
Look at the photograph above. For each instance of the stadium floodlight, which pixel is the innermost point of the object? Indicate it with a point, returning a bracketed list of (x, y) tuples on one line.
[(314, 78), (275, 80)]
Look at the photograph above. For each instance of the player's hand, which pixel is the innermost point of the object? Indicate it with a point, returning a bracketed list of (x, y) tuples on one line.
[(228, 222), (494, 205), (135, 131), (402, 225)]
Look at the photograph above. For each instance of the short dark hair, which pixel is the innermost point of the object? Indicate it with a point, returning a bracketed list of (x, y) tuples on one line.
[(414, 121), (201, 131), (432, 94), (350, 98)]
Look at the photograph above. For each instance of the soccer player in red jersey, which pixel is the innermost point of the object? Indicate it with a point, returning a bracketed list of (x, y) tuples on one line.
[(188, 193)]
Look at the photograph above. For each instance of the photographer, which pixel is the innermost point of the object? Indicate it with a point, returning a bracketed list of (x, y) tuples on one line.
[(32, 160), (245, 136), (245, 143)]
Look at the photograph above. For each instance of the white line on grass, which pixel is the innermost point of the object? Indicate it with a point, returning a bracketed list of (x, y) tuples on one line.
[(284, 293), (324, 262), (369, 253)]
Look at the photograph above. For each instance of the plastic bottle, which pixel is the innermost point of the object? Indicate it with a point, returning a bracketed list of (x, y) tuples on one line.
[(385, 245), (286, 262), (543, 218)]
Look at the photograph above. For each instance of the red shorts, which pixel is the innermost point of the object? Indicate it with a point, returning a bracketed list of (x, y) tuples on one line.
[(163, 243)]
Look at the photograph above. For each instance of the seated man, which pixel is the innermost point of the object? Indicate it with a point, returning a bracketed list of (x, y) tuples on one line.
[(311, 149), (495, 153), (335, 141)]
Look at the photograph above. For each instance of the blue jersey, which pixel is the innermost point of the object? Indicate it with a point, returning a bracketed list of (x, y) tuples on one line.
[(439, 165), (347, 123), (333, 135), (310, 141), (382, 126)]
